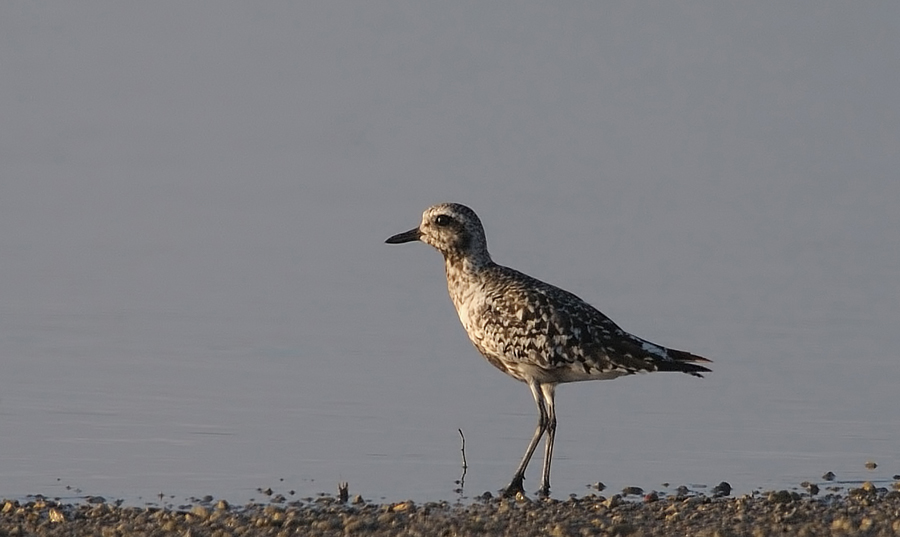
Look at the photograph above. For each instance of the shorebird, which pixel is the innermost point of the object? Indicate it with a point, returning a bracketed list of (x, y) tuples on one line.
[(533, 331)]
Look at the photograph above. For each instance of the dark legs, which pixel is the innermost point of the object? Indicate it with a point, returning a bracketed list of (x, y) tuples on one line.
[(543, 398), (549, 391)]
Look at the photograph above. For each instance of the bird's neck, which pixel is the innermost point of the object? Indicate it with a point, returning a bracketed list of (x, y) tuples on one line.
[(465, 273), (466, 265), (466, 283)]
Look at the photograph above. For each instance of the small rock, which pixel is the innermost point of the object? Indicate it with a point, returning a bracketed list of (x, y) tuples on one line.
[(408, 505), (829, 476), (866, 524), (600, 486), (866, 490), (842, 525), (722, 489), (353, 525), (632, 491), (651, 497), (782, 496), (871, 465)]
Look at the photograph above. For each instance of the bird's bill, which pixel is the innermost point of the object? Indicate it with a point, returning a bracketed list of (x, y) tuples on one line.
[(408, 236)]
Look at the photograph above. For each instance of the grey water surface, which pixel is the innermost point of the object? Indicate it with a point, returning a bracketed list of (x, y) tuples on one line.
[(195, 297)]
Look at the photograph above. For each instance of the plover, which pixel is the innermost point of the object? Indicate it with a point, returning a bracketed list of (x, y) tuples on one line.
[(532, 331)]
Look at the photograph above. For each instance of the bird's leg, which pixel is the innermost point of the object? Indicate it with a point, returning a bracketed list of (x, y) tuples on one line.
[(549, 392), (516, 485)]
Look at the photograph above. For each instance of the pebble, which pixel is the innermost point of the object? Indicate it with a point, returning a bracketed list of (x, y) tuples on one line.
[(869, 510), (782, 496), (722, 489)]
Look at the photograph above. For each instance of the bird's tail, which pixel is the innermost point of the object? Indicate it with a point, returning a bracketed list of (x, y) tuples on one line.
[(684, 362)]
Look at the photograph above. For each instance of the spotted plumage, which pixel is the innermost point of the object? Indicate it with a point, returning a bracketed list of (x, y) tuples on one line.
[(531, 330)]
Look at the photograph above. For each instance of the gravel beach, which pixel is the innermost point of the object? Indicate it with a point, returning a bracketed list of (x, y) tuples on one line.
[(864, 511)]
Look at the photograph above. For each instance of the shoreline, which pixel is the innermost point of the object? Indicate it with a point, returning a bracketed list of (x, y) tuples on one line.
[(867, 510)]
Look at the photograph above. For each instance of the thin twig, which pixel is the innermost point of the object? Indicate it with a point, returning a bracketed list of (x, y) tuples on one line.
[(465, 466), (463, 449)]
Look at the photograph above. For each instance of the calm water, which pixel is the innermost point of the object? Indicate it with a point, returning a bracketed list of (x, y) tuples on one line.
[(195, 297)]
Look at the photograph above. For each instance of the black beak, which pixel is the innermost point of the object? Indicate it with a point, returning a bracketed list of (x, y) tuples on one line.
[(409, 236)]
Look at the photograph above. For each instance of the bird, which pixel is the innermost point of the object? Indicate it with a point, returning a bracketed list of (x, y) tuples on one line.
[(534, 332)]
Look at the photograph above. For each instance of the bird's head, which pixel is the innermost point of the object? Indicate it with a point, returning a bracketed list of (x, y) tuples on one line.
[(453, 229)]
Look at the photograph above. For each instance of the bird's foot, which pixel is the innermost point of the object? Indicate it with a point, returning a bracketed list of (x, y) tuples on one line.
[(515, 487), (544, 491)]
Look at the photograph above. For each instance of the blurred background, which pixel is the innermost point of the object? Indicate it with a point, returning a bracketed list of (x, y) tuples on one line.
[(195, 297)]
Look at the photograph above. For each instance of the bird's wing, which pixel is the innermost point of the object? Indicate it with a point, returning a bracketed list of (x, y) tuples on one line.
[(553, 328)]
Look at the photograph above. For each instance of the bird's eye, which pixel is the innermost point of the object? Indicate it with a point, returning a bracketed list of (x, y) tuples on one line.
[(442, 220)]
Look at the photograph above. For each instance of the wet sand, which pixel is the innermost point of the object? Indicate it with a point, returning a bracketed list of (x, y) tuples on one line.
[(868, 510)]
